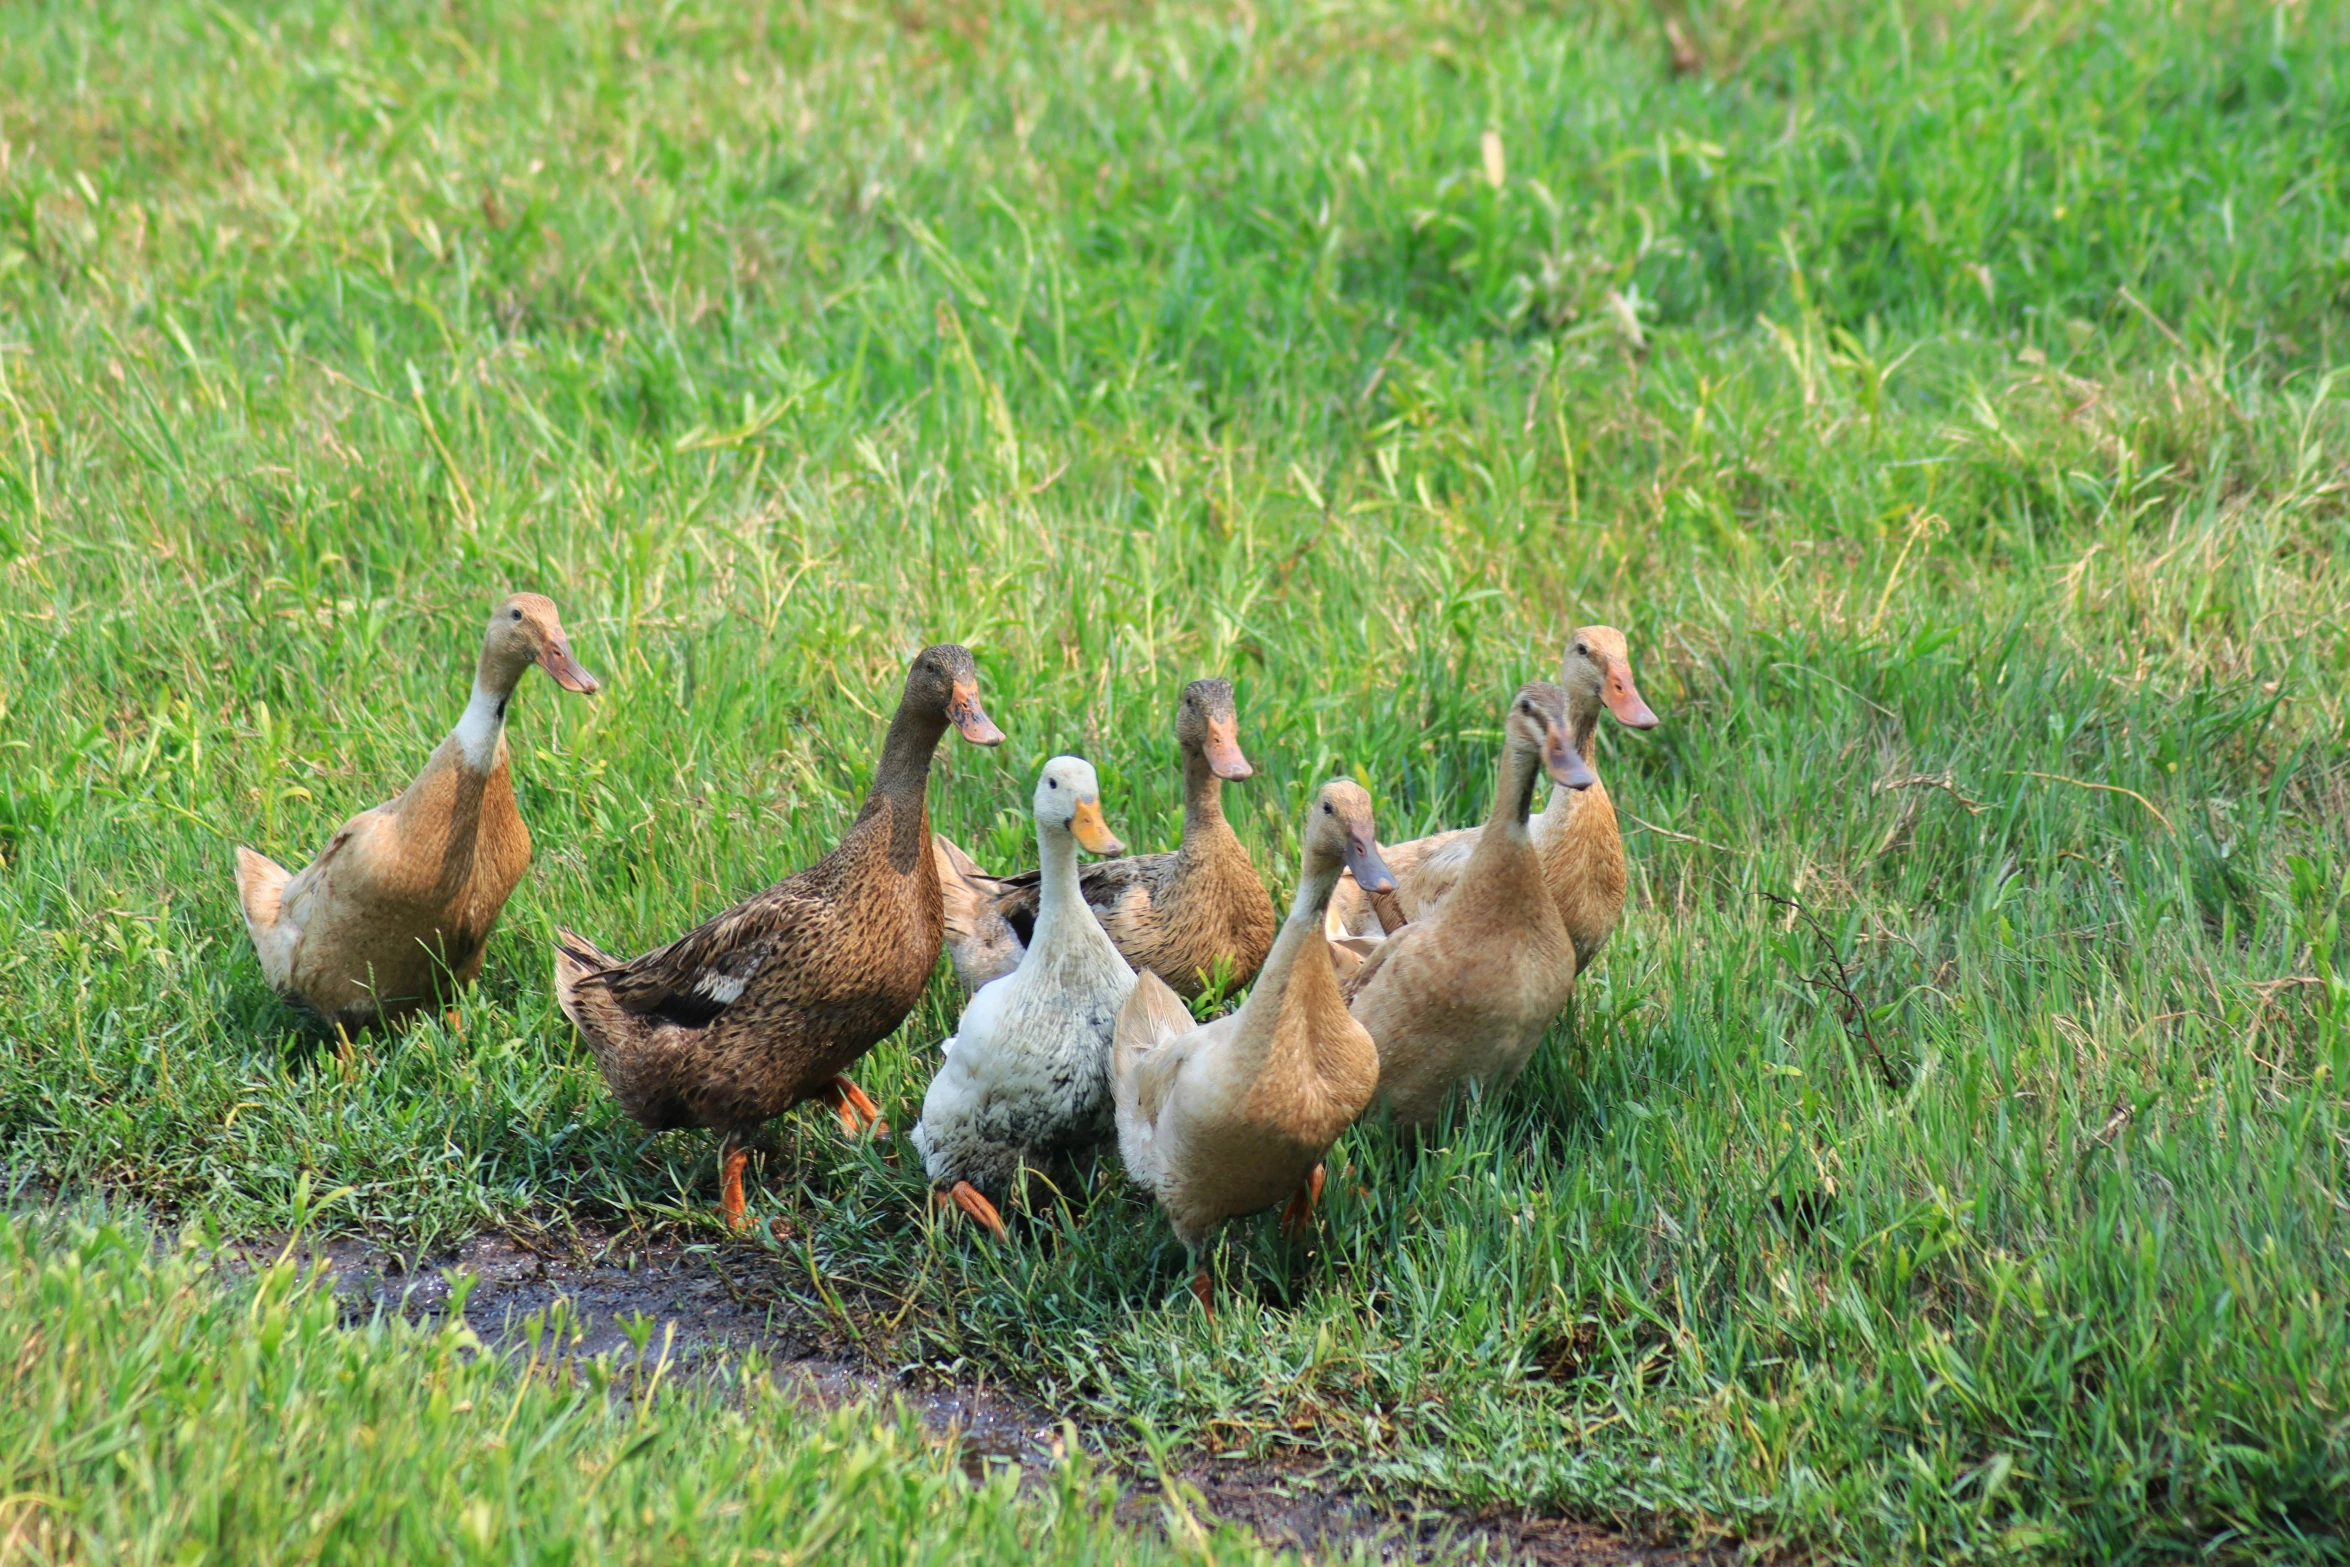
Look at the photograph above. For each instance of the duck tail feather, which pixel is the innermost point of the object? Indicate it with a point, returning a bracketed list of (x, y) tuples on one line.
[(261, 891), (981, 942)]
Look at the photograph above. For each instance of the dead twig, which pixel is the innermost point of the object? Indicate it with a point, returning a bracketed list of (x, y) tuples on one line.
[(1677, 837), (1941, 781), (2267, 989), (1835, 976), (2083, 783)]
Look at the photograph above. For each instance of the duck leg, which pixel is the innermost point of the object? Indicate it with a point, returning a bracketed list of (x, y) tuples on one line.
[(974, 1202), (856, 1109), (732, 1157), (1203, 1289), (1298, 1217)]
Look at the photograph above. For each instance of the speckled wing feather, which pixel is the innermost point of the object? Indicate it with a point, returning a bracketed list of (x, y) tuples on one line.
[(1105, 884), (698, 976)]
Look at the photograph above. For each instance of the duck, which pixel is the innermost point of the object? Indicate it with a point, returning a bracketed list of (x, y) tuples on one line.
[(1581, 846), (1194, 916), (1226, 1118), (768, 1004), (1462, 994), (1027, 1070), (396, 911)]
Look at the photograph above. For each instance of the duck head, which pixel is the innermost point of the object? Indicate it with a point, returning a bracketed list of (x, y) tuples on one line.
[(523, 631), (1599, 668), (1537, 727), (1069, 798), (1208, 725), (944, 680), (1339, 831)]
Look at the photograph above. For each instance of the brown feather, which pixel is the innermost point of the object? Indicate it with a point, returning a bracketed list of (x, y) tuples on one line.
[(758, 1008)]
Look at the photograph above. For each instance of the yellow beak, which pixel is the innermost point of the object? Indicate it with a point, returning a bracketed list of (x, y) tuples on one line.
[(1093, 835)]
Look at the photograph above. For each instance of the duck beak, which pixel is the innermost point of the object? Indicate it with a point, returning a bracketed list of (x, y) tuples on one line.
[(1362, 858), (1565, 763), (1092, 833), (1623, 699), (1223, 752), (565, 670), (969, 718)]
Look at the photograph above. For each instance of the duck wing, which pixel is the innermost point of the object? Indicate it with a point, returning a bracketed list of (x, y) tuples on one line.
[(979, 939), (1141, 1065), (697, 977)]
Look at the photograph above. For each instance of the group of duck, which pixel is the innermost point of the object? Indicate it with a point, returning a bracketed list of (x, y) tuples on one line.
[(1402, 975)]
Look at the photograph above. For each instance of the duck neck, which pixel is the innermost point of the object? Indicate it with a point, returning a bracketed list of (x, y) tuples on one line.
[(903, 778), (1585, 714), (484, 724), (1513, 797), (1297, 972), (1203, 802), (1058, 893)]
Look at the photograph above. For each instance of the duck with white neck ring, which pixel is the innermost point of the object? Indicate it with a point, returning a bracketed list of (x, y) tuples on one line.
[(1227, 1118), (397, 908), (1026, 1073)]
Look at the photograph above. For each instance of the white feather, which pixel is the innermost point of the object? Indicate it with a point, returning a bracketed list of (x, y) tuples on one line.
[(479, 731)]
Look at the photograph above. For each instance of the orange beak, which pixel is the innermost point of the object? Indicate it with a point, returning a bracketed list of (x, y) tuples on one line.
[(1223, 752), (1623, 699), (1093, 835), (970, 719), (565, 670)]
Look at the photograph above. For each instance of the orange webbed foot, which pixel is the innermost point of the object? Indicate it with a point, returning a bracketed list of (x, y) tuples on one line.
[(1203, 1289), (1298, 1217), (856, 1109), (730, 1186), (971, 1200)]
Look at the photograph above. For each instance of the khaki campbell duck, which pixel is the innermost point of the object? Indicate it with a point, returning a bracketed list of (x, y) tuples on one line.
[(1028, 1069), (1181, 915), (769, 1003), (1582, 850), (398, 906), (1229, 1117), (1463, 993)]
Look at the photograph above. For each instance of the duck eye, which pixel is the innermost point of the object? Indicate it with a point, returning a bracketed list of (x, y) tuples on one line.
[(518, 614), (1052, 783), (1326, 810)]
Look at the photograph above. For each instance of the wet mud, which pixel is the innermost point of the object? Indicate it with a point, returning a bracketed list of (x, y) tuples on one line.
[(697, 1308)]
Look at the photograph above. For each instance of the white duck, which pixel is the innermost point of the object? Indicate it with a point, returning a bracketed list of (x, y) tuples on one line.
[(1227, 1118), (1027, 1071)]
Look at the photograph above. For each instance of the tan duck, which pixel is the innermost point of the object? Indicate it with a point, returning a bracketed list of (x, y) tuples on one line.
[(397, 908), (1576, 835), (1463, 993), (1227, 1118), (1180, 916), (768, 1004)]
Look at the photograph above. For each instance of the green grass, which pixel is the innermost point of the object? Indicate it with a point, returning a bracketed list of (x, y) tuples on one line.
[(1984, 421), (157, 1416)]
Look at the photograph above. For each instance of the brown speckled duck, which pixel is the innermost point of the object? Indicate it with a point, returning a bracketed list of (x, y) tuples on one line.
[(398, 906), (1179, 915), (1576, 835), (768, 1004)]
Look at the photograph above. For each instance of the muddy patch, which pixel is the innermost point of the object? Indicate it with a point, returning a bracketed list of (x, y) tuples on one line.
[(636, 1298), (1304, 1512), (656, 1301)]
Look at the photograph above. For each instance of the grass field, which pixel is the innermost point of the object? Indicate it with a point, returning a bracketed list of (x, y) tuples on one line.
[(1942, 397)]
